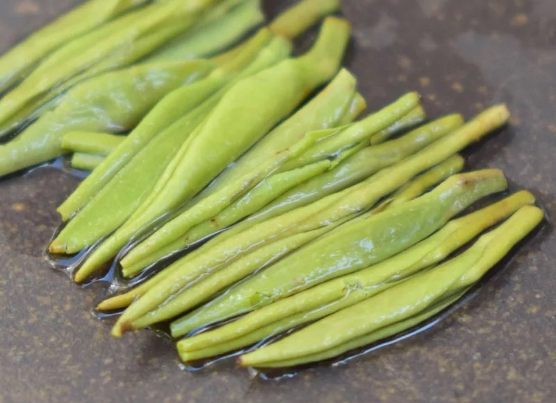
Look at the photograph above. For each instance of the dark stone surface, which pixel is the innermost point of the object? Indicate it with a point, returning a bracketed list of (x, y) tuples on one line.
[(462, 56)]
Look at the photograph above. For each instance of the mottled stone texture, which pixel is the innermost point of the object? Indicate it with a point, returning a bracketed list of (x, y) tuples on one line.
[(462, 56)]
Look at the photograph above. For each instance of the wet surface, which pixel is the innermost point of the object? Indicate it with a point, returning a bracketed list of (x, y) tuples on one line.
[(501, 347)]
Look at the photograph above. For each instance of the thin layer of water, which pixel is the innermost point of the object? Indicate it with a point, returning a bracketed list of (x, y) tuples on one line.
[(117, 283)]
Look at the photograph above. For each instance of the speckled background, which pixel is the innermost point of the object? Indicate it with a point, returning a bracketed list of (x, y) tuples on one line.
[(462, 56)]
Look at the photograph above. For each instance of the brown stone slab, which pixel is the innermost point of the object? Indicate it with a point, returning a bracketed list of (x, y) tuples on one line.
[(462, 56)]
